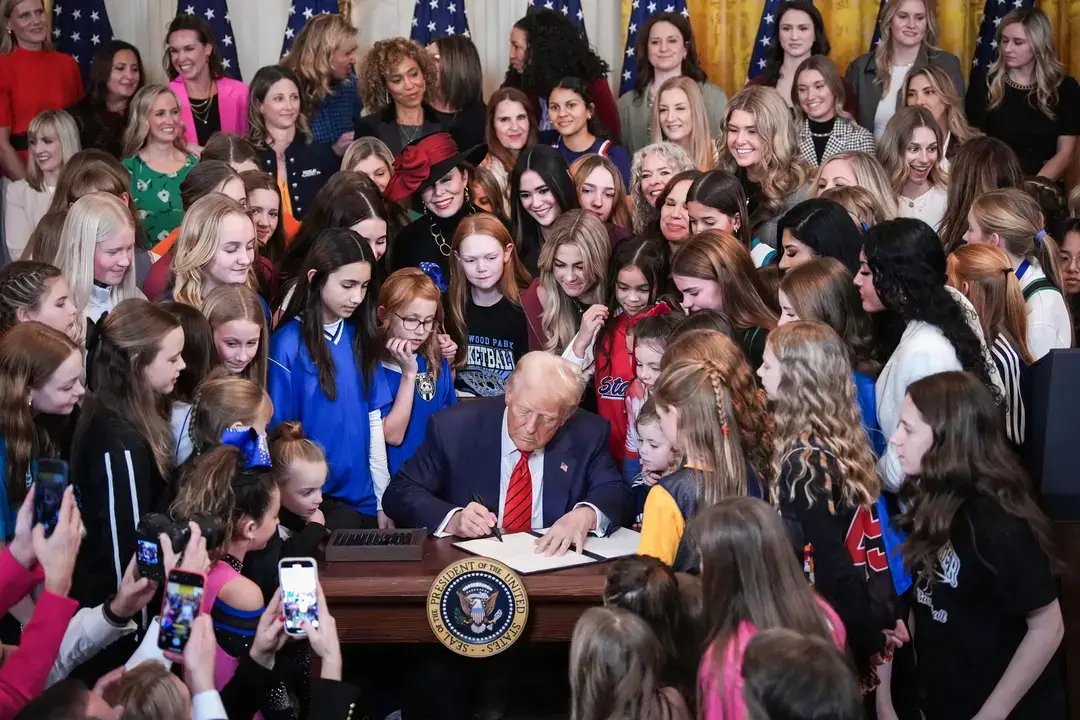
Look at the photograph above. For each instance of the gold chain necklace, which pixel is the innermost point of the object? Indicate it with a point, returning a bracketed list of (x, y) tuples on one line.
[(201, 108)]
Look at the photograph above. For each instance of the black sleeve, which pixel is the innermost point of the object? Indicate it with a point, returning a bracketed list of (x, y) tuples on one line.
[(246, 692), (1023, 581), (1068, 108), (333, 699), (836, 578), (977, 101), (305, 542)]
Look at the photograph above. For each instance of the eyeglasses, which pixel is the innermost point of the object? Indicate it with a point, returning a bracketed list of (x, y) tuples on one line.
[(414, 323), (1073, 260)]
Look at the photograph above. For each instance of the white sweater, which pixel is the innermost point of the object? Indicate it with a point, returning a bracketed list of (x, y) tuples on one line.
[(23, 209), (1048, 325)]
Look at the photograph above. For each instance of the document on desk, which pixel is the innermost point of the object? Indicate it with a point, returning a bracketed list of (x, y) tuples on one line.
[(518, 550)]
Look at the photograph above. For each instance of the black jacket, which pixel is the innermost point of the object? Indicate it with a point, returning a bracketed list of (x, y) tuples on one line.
[(383, 125), (310, 165)]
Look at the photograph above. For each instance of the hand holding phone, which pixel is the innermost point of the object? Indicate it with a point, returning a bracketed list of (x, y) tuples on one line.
[(299, 593), (180, 606), (56, 554), (52, 481)]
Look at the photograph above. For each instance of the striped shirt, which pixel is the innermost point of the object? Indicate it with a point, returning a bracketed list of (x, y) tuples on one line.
[(1012, 369)]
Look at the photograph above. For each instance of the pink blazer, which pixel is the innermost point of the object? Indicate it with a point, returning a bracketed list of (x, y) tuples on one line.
[(232, 106)]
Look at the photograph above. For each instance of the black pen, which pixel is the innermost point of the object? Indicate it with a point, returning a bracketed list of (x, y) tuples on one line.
[(495, 530)]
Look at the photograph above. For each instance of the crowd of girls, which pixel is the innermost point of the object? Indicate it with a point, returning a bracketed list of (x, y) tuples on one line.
[(807, 312)]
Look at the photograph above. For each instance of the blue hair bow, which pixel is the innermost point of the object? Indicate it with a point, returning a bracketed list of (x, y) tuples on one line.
[(251, 444), (433, 271)]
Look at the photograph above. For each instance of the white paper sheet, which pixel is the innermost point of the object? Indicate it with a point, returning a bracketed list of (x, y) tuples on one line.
[(620, 543), (518, 550)]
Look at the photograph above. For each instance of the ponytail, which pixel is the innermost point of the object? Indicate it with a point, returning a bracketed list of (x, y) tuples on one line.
[(288, 444), (1048, 253)]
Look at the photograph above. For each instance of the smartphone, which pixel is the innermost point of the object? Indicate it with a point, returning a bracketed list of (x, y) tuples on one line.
[(180, 606), (299, 595), (52, 481)]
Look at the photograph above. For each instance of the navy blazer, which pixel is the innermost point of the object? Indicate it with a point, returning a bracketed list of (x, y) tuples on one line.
[(310, 166), (461, 457)]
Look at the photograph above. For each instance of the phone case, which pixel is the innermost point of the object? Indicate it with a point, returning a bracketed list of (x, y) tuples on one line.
[(315, 568)]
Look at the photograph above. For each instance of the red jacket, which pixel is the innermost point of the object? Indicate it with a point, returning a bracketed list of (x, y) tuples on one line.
[(24, 673)]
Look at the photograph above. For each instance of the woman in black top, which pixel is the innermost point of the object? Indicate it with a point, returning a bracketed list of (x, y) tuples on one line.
[(278, 127), (396, 85), (988, 622), (116, 74), (458, 98), (432, 169), (1028, 101)]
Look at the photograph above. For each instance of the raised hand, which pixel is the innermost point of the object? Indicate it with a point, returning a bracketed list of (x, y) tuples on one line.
[(57, 552)]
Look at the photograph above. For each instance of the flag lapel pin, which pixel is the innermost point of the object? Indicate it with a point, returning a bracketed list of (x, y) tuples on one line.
[(562, 466)]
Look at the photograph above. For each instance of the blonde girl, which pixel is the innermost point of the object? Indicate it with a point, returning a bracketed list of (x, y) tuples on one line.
[(1013, 221), (909, 34), (322, 57), (238, 324), (370, 156), (932, 88), (985, 275), (679, 116), (156, 155), (601, 191), (1028, 101), (411, 364), (761, 147), (826, 483), (616, 664), (484, 313), (865, 210), (222, 401), (300, 471), (857, 169), (651, 170), (97, 248), (573, 269), (696, 402), (216, 247), (53, 137), (910, 153)]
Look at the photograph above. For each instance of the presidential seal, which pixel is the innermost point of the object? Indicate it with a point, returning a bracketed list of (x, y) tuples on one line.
[(477, 607)]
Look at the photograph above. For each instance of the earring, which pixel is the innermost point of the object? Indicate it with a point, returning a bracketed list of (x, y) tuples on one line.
[(29, 400)]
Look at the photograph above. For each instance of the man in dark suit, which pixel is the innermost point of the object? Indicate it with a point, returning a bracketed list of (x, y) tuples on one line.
[(534, 459)]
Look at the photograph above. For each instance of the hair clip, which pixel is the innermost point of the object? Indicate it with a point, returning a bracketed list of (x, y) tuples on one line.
[(251, 445), (1040, 236), (724, 428), (660, 309), (865, 226)]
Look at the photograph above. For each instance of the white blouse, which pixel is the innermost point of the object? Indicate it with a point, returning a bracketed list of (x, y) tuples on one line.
[(928, 207)]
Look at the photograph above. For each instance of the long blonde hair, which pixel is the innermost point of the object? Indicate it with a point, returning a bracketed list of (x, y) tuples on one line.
[(883, 55), (585, 231), (898, 134), (701, 144), (708, 430), (869, 175), (985, 275), (239, 302), (579, 173), (940, 82), (138, 126), (312, 52), (817, 404), (67, 133), (783, 170), (200, 234), (397, 291), (362, 149), (1048, 68), (93, 219), (514, 275), (7, 37)]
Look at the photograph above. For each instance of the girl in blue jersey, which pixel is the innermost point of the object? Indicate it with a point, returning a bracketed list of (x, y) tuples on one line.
[(322, 373), (412, 364)]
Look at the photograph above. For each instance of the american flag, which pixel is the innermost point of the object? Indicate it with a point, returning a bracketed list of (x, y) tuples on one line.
[(79, 26), (639, 13), (764, 37), (569, 8), (877, 28), (300, 11), (434, 19), (986, 47), (216, 12)]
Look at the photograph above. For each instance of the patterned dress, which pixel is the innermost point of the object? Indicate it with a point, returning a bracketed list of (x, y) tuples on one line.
[(157, 198)]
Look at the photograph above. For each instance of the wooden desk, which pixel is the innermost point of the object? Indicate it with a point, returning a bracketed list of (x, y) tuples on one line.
[(385, 602)]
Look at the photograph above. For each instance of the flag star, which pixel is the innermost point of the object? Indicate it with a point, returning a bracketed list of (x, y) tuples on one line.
[(308, 13), (466, 33), (565, 10), (549, 5), (56, 33), (761, 64), (289, 33), (190, 10), (669, 8), (993, 44), (75, 37), (452, 8), (57, 9), (209, 13), (76, 58), (431, 27), (225, 63), (765, 42), (975, 62), (414, 22), (94, 16), (651, 7), (292, 10), (636, 4), (450, 30), (685, 12), (633, 28), (434, 4), (630, 51), (626, 76), (580, 15), (227, 40), (997, 21), (76, 13), (95, 39), (769, 19), (978, 41), (1018, 3)]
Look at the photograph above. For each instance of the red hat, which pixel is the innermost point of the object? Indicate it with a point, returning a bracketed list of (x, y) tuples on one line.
[(424, 161)]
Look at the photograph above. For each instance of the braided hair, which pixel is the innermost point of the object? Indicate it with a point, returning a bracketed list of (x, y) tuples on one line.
[(24, 285)]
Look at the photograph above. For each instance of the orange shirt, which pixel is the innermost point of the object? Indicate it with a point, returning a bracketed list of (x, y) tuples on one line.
[(288, 223)]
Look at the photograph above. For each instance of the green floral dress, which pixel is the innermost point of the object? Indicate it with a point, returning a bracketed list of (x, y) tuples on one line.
[(157, 197)]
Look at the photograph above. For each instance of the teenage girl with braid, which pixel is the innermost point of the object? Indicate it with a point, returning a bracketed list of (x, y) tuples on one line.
[(37, 291), (697, 413), (827, 487)]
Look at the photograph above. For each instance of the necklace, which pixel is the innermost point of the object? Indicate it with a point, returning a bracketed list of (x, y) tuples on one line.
[(440, 240), (921, 200), (410, 136), (233, 562), (1013, 84), (200, 109)]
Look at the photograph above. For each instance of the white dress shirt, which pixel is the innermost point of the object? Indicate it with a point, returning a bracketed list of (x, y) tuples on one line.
[(509, 455)]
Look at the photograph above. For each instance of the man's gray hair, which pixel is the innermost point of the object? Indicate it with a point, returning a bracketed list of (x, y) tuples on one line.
[(549, 375)]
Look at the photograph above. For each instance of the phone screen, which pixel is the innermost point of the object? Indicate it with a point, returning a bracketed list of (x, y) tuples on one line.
[(180, 607), (147, 552), (299, 597), (48, 494)]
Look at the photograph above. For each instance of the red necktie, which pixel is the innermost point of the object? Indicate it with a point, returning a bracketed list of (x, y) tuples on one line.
[(517, 512)]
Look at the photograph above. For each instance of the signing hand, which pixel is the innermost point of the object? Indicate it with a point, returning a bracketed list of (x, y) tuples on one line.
[(473, 522), (571, 528), (401, 352), (447, 347), (57, 552)]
